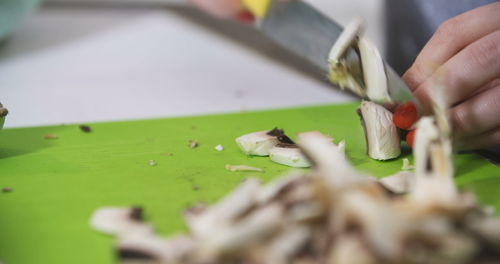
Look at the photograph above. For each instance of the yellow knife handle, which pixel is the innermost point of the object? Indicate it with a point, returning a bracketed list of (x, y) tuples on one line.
[(257, 7)]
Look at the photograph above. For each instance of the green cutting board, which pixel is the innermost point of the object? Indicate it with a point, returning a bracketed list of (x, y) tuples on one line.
[(58, 183)]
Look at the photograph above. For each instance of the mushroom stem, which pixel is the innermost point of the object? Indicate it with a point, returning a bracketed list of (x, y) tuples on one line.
[(382, 137)]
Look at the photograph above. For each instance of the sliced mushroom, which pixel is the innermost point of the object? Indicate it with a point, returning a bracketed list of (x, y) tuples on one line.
[(399, 183), (276, 187), (230, 167), (143, 248), (259, 143), (289, 155), (258, 225), (226, 211), (346, 40), (341, 146), (382, 137), (382, 225), (328, 159), (118, 220), (433, 167), (344, 63), (351, 249), (3, 113), (489, 229), (373, 72), (356, 64), (286, 245)]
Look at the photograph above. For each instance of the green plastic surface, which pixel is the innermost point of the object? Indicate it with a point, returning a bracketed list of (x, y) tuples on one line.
[(58, 183)]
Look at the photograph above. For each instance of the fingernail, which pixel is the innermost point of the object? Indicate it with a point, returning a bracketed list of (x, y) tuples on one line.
[(245, 16)]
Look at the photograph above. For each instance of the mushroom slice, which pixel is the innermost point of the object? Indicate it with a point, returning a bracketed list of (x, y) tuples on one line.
[(118, 220), (256, 226), (375, 77), (356, 64), (278, 186), (398, 183), (3, 113), (328, 159), (382, 225), (350, 249), (344, 63), (259, 143), (230, 167), (286, 245), (226, 211), (346, 40), (341, 146), (289, 155), (150, 248), (142, 249), (433, 167), (489, 229), (382, 137)]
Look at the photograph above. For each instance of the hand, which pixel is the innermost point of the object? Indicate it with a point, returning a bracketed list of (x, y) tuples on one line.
[(464, 54)]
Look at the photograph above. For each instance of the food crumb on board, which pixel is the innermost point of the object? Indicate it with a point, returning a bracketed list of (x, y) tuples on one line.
[(219, 147), (51, 136), (242, 168), (195, 187), (193, 143), (7, 189), (152, 162), (85, 128)]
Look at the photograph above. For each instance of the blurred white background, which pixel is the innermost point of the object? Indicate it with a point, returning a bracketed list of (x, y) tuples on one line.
[(78, 63)]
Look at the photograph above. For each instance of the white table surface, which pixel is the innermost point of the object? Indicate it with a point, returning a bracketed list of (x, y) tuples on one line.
[(75, 64)]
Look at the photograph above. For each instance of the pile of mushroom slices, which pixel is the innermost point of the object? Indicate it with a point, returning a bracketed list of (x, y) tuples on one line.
[(331, 214)]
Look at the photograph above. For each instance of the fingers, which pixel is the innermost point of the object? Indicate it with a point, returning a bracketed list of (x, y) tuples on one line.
[(220, 8), (477, 115), (473, 67), (490, 139), (451, 37)]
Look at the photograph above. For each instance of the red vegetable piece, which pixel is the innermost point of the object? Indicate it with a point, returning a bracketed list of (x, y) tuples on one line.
[(405, 115), (245, 16), (410, 137)]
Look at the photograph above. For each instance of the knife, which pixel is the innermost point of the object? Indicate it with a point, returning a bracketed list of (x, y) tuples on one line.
[(303, 30)]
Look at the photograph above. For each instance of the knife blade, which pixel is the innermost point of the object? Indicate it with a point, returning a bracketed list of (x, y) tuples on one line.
[(306, 32)]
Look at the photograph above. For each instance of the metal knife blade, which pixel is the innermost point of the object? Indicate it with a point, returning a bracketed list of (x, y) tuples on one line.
[(301, 29)]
